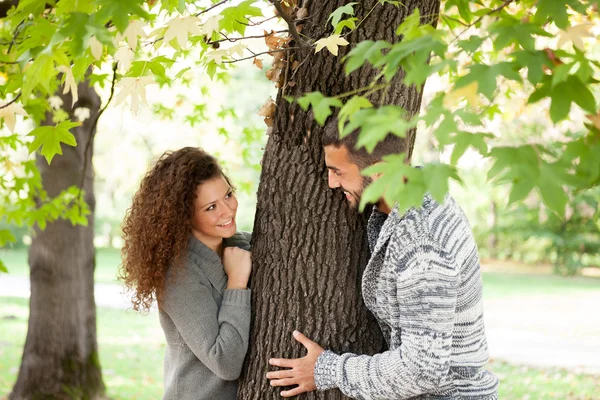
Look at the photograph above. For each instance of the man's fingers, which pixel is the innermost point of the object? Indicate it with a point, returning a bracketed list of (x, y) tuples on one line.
[(286, 373), (294, 392), (306, 342), (284, 382), (283, 362)]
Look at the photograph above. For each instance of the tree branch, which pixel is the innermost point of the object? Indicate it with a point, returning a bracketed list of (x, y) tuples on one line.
[(228, 39), (88, 145), (10, 102), (301, 43), (259, 54), (211, 7)]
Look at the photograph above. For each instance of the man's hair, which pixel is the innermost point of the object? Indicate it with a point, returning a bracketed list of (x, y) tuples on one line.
[(391, 144)]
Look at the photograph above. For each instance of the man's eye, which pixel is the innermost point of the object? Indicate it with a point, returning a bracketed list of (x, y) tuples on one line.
[(337, 173)]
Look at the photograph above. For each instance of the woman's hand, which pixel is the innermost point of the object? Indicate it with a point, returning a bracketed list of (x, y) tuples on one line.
[(237, 264)]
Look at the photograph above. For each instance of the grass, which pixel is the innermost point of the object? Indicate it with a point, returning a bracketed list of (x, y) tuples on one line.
[(132, 348), (132, 345), (107, 263)]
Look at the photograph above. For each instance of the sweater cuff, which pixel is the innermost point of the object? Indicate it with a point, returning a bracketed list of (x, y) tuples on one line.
[(326, 369), (237, 297)]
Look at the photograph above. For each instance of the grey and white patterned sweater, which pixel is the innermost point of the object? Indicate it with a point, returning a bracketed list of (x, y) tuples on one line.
[(423, 284)]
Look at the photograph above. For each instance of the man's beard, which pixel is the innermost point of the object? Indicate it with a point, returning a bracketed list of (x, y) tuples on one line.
[(366, 181)]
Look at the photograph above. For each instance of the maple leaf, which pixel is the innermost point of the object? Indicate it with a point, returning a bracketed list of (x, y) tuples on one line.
[(469, 92), (49, 139), (574, 34), (332, 43), (124, 57), (96, 48), (134, 29), (9, 114), (211, 25), (217, 56), (180, 28), (258, 62), (70, 84), (275, 42), (136, 87), (237, 49), (55, 102), (82, 113)]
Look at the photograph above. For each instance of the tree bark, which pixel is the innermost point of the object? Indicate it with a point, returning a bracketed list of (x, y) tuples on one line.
[(60, 358), (309, 249)]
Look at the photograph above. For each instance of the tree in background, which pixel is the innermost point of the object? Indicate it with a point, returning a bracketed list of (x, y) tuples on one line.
[(543, 47)]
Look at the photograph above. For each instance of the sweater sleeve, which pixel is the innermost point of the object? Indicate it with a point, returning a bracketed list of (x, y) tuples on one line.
[(217, 336), (422, 318)]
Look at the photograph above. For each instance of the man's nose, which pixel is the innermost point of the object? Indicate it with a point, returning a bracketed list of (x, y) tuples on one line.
[(332, 180)]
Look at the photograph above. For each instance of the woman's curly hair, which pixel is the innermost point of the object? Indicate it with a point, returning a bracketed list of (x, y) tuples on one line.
[(157, 226)]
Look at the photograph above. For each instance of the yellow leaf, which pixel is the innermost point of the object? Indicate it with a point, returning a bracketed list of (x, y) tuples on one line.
[(574, 34), (134, 87), (211, 25), (124, 57), (9, 114), (134, 29), (237, 49), (180, 28), (217, 56), (96, 48), (332, 43), (469, 92), (258, 62), (70, 84)]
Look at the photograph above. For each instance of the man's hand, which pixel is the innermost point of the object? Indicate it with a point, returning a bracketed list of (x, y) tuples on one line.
[(302, 369)]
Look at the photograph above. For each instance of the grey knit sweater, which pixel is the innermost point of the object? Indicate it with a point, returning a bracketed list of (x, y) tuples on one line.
[(206, 326), (423, 284)]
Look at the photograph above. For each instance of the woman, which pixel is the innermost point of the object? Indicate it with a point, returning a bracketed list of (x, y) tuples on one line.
[(182, 249)]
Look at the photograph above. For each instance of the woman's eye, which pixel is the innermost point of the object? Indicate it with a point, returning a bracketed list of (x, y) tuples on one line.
[(229, 195), (211, 208)]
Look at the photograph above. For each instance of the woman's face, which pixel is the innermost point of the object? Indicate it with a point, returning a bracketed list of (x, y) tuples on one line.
[(214, 215)]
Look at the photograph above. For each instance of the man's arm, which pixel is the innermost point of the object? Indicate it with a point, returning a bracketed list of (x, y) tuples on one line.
[(423, 310)]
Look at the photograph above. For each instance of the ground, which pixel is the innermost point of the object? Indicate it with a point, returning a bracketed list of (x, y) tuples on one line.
[(535, 322)]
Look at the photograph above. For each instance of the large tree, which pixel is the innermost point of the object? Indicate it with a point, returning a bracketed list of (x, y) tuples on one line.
[(60, 358), (309, 249)]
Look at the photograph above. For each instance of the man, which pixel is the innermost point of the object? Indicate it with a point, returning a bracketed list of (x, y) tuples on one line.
[(422, 283)]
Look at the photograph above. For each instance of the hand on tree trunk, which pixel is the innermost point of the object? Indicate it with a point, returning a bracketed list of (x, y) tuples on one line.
[(301, 370)]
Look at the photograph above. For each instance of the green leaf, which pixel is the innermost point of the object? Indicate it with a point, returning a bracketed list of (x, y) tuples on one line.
[(471, 44), (520, 189), (349, 23), (376, 123), (6, 236), (235, 18), (436, 178), (465, 139), (365, 50), (553, 195), (49, 138), (3, 267), (321, 105), (353, 105), (336, 16), (119, 11), (554, 10), (486, 76)]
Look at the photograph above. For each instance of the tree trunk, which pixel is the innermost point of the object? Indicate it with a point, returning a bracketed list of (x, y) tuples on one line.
[(309, 249), (60, 359)]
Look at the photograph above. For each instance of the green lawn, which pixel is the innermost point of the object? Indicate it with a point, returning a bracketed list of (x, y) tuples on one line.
[(131, 355), (107, 263), (132, 345)]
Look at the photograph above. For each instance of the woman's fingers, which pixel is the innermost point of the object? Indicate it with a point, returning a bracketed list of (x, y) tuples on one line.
[(293, 392)]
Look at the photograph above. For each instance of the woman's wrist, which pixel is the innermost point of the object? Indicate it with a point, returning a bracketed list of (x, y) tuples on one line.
[(233, 284)]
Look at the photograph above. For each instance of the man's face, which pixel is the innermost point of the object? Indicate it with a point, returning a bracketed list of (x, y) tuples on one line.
[(345, 174)]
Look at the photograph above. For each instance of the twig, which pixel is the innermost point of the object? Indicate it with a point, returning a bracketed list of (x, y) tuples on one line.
[(88, 145), (228, 39), (211, 7), (256, 23), (259, 54), (12, 43), (10, 102), (291, 24)]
